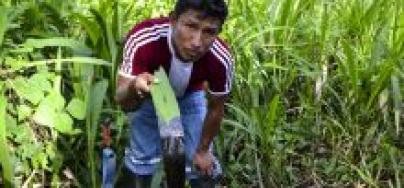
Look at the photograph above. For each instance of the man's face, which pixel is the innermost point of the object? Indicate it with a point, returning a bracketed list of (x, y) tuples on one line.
[(193, 34)]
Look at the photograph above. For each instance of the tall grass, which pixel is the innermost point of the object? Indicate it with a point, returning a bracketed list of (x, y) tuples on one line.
[(317, 93), (317, 97), (48, 102)]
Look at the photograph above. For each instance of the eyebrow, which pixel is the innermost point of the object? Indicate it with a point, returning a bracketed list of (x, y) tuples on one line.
[(193, 19), (196, 20)]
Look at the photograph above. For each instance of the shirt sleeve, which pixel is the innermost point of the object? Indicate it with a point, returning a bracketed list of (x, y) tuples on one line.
[(222, 70), (134, 52)]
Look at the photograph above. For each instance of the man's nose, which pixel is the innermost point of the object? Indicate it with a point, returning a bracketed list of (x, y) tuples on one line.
[(196, 41)]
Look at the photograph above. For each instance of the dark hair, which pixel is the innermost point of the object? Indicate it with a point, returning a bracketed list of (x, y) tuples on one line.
[(209, 8)]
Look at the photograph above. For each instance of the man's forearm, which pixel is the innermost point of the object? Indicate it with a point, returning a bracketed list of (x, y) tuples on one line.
[(121, 93), (211, 127)]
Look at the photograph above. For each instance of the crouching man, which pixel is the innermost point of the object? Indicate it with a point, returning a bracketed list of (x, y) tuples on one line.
[(187, 46)]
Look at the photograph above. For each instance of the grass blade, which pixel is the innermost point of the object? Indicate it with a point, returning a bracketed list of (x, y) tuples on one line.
[(5, 159), (3, 22), (55, 41), (272, 115), (397, 102), (95, 100)]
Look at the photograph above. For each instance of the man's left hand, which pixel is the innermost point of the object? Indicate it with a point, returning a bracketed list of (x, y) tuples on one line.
[(203, 161)]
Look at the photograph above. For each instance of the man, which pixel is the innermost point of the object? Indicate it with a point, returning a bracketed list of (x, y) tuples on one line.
[(187, 46)]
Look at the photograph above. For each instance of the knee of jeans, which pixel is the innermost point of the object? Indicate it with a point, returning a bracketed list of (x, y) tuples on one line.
[(193, 104)]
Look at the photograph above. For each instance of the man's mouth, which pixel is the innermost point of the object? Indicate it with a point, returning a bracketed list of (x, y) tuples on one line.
[(192, 53)]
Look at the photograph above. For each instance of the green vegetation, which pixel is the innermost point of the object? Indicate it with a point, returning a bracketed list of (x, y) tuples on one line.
[(317, 98)]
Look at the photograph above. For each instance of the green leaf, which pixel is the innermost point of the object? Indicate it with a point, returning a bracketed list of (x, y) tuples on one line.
[(40, 160), (98, 94), (271, 117), (164, 98), (158, 176), (14, 64), (28, 150), (105, 29), (90, 27), (27, 91), (351, 65), (41, 82), (3, 22), (50, 150), (49, 112), (272, 64), (77, 108), (23, 134), (64, 123), (55, 100), (95, 98), (117, 24), (11, 125), (385, 72), (5, 159), (24, 111), (45, 114), (54, 42), (397, 98)]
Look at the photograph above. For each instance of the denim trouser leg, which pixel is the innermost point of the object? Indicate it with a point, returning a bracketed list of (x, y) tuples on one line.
[(144, 152)]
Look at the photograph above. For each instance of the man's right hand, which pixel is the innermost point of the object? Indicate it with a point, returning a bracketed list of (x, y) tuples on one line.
[(141, 84), (131, 91)]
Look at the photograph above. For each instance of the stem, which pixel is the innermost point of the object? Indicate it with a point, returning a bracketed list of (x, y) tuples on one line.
[(29, 179), (58, 79)]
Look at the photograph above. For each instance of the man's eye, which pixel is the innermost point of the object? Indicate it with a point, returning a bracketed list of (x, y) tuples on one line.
[(210, 31), (191, 25)]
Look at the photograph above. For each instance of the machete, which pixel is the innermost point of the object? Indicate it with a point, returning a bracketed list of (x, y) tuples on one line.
[(171, 130)]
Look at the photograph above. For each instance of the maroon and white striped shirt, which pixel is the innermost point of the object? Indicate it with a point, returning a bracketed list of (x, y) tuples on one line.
[(148, 46)]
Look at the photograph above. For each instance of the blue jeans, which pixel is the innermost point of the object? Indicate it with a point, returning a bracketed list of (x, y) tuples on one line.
[(144, 152)]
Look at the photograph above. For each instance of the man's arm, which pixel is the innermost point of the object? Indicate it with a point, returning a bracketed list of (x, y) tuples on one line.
[(212, 122), (203, 158)]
